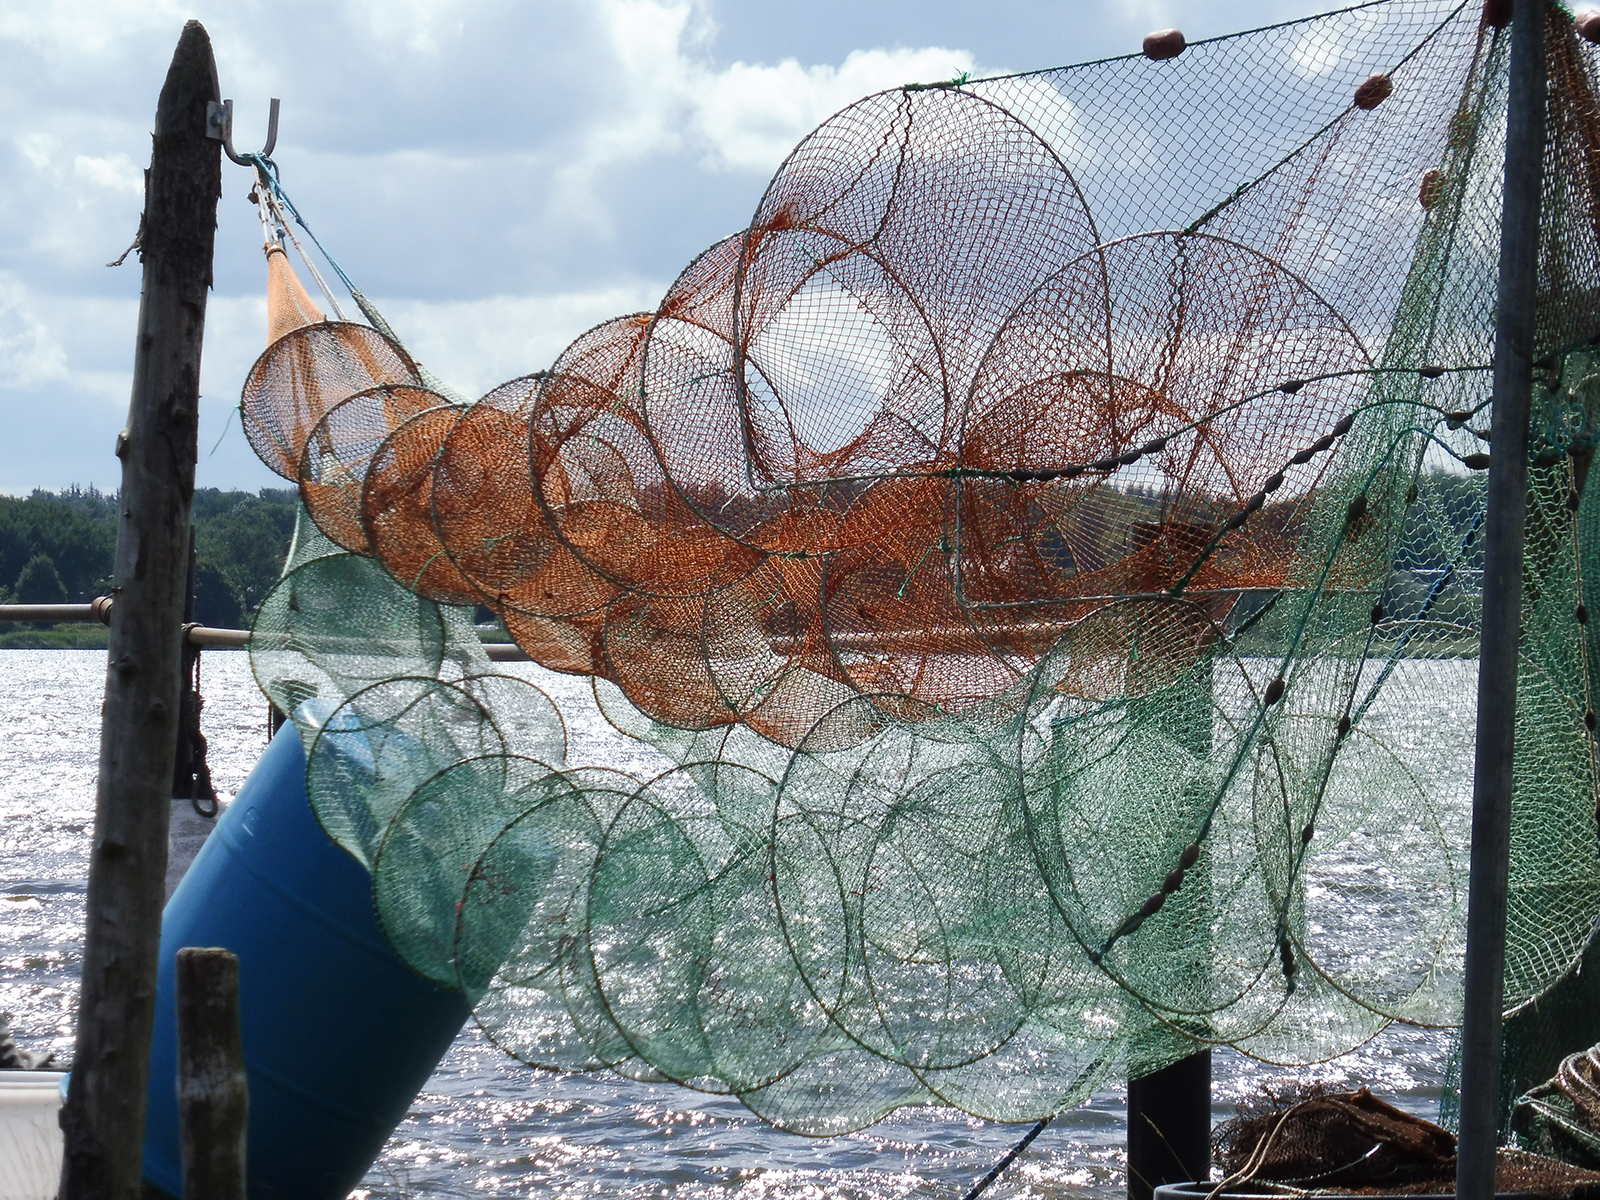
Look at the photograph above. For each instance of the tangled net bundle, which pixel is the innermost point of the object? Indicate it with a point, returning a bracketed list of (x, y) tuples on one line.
[(1043, 545), (1354, 1143)]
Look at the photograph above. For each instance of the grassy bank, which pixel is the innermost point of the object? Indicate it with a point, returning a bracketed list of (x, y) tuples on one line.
[(59, 637)]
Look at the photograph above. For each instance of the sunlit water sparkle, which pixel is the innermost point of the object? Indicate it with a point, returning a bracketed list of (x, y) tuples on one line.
[(487, 1126)]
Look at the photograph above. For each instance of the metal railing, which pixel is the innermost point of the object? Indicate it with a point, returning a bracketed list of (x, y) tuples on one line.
[(99, 610)]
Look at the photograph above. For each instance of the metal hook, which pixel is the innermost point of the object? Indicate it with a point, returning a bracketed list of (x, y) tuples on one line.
[(219, 126)]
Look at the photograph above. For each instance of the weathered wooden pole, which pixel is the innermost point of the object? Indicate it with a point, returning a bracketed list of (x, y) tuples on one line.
[(1506, 512), (213, 1097), (104, 1117)]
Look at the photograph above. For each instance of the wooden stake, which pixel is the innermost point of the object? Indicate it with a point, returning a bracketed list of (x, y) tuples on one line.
[(213, 1096), (104, 1117)]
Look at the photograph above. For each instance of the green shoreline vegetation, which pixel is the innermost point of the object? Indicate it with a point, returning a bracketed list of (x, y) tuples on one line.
[(58, 547)]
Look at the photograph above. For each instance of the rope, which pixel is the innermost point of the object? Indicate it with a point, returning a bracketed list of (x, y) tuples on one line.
[(268, 171), (193, 771), (1258, 1156), (272, 185), (327, 292), (1009, 1158)]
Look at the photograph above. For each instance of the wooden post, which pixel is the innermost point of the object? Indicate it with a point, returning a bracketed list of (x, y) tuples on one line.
[(1505, 515), (104, 1117), (213, 1097)]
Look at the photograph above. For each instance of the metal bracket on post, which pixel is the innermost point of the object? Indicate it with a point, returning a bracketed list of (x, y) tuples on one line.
[(219, 127)]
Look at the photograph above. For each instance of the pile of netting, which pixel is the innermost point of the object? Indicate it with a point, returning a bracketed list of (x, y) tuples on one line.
[(1352, 1143), (1043, 545), (1561, 1117)]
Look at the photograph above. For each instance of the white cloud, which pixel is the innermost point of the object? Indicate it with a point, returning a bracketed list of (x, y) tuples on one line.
[(73, 209), (475, 344), (750, 116), (744, 117), (64, 28), (113, 172), (669, 98), (38, 149), (1327, 47), (499, 176), (1151, 14), (417, 25), (649, 40), (1317, 52), (29, 352)]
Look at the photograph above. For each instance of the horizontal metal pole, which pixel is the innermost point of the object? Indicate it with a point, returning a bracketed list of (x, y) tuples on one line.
[(1016, 636), (204, 635), (56, 612), (506, 652), (99, 609)]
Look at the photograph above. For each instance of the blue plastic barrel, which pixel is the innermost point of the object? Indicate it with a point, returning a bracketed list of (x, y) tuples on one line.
[(339, 1034)]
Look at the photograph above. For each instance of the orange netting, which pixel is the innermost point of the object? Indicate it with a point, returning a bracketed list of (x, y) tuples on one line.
[(902, 436)]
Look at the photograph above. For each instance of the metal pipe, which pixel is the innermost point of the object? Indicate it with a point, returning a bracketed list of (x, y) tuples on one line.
[(238, 639), (1506, 513), (98, 609), (202, 635), (505, 652), (46, 612)]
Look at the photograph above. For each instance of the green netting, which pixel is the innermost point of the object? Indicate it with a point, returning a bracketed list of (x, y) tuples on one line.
[(1041, 552)]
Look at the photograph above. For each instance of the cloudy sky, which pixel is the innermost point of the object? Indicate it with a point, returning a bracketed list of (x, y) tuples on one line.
[(497, 175)]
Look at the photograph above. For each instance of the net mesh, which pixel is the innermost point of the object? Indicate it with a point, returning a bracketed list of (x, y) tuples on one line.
[(1352, 1143), (1043, 545)]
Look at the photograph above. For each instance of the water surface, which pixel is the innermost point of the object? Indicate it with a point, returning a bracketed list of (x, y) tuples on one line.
[(487, 1126)]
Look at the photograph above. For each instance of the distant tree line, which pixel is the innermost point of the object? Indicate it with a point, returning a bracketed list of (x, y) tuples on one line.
[(58, 548)]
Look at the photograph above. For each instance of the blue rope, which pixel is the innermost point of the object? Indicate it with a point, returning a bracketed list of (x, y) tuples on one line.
[(268, 171)]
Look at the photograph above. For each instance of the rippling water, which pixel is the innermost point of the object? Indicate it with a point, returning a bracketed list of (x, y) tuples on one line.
[(486, 1125)]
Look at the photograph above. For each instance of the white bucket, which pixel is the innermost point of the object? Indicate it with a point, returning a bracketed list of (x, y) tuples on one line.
[(30, 1134)]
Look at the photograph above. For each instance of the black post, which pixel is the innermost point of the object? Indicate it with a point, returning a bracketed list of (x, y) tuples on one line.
[(104, 1116), (1502, 606), (1169, 1125), (1169, 1111)]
